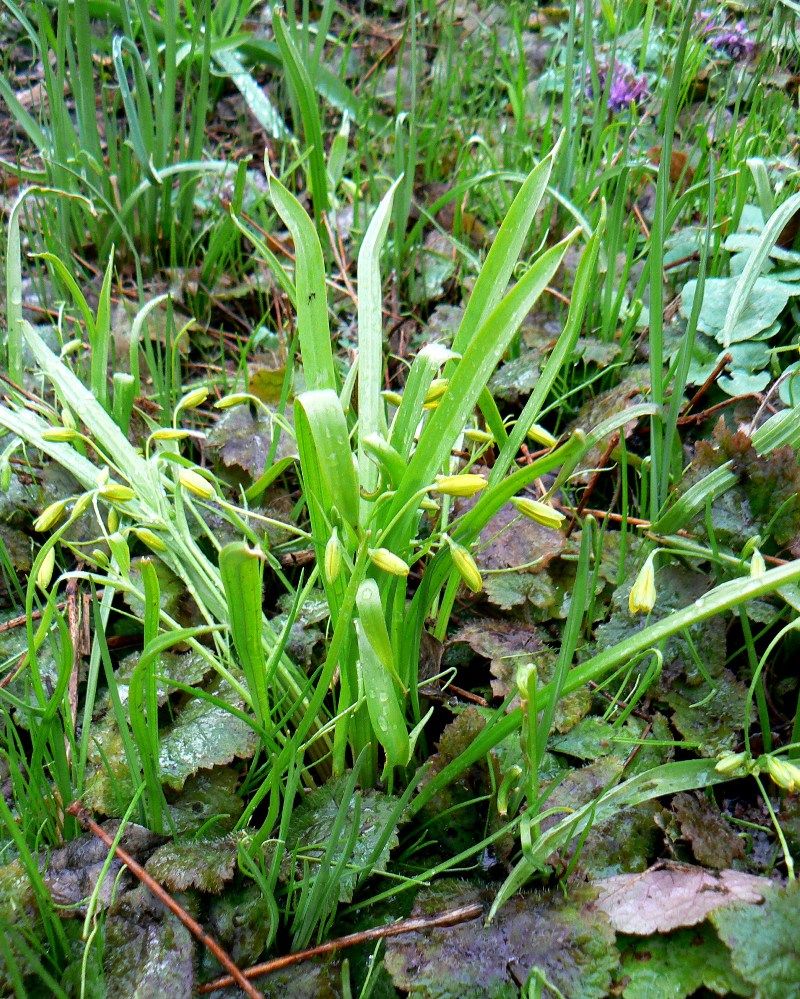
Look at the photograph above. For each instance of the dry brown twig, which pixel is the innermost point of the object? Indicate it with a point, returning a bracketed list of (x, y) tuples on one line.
[(412, 925), (235, 974)]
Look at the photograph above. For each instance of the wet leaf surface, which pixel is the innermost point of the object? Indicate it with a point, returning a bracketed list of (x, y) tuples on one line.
[(675, 966), (763, 941), (204, 864), (571, 946), (669, 896), (148, 951), (714, 842)]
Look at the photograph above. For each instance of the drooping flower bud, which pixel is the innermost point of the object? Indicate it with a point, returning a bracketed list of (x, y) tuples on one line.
[(116, 492), (642, 598), (45, 573), (50, 516), (194, 398), (333, 557), (467, 566), (757, 564), (196, 484), (388, 561), (731, 763), (150, 538), (478, 436), (60, 435), (437, 389), (783, 773), (465, 485), (541, 436), (542, 513)]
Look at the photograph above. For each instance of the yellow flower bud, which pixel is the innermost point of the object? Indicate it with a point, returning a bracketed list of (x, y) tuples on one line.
[(333, 557), (168, 434), (478, 436), (393, 398), (731, 763), (194, 398), (542, 513), (45, 573), (642, 598), (196, 484), (757, 564), (235, 399), (82, 504), (437, 389), (466, 484), (116, 492), (50, 516), (113, 520), (525, 674), (61, 435), (467, 567), (783, 773), (150, 538), (388, 561), (541, 436)]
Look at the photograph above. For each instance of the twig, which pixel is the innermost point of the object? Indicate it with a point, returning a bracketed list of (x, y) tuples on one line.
[(719, 367), (413, 925), (592, 483), (235, 974)]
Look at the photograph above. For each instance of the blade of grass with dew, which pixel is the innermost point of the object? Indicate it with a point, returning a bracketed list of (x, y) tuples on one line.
[(311, 297), (303, 90), (370, 337)]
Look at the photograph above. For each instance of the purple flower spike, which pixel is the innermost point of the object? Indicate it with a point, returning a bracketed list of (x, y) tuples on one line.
[(626, 87), (734, 42)]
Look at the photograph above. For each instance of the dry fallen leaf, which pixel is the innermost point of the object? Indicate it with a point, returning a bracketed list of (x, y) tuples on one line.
[(670, 895)]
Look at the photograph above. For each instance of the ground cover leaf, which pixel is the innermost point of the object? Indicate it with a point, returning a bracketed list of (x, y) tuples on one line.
[(669, 895), (203, 736), (714, 843), (148, 951), (763, 941), (208, 794), (676, 965), (313, 820), (204, 864), (572, 947)]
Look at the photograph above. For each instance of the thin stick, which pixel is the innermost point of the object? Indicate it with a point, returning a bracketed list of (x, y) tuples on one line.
[(720, 366), (163, 896), (413, 925)]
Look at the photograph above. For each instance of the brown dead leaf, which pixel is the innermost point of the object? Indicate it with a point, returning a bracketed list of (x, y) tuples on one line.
[(670, 895)]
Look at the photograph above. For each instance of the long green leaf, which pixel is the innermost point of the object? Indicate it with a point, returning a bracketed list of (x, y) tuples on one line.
[(370, 335), (312, 303)]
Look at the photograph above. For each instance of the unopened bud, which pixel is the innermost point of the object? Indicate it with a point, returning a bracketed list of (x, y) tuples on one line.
[(196, 484), (150, 538), (45, 573), (642, 598), (50, 516), (393, 398), (333, 557), (235, 399), (478, 436), (466, 566), (783, 773), (194, 398), (466, 484), (542, 513), (60, 435), (388, 561), (731, 763), (116, 492), (437, 389), (757, 564), (168, 434), (541, 436)]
